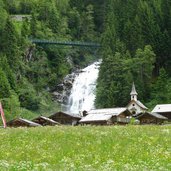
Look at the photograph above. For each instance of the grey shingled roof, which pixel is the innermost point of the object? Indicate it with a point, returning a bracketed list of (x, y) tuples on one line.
[(156, 115), (46, 119), (141, 105), (162, 108), (138, 103), (72, 115), (108, 111), (29, 122), (94, 118), (102, 114)]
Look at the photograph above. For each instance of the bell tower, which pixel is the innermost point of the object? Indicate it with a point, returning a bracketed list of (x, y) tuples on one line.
[(133, 93)]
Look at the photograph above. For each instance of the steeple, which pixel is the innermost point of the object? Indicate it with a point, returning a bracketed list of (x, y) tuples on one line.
[(133, 93)]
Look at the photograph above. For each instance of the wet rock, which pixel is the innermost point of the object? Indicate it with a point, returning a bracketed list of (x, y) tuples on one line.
[(57, 97), (65, 100), (68, 84), (63, 90), (60, 87)]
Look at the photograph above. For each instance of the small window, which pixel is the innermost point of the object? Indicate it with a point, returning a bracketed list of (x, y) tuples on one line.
[(133, 104), (133, 112)]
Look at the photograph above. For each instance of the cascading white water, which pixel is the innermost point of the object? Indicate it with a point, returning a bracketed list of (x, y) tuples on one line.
[(83, 91)]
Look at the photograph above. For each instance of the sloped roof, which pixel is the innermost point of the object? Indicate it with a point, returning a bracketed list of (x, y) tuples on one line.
[(94, 118), (71, 115), (141, 105), (138, 103), (46, 119), (50, 120), (162, 108), (29, 123), (102, 114), (108, 111), (156, 115)]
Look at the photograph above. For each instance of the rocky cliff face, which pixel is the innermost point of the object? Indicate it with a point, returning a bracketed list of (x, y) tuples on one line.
[(62, 91)]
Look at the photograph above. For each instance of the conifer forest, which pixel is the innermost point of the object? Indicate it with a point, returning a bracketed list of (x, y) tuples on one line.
[(135, 46)]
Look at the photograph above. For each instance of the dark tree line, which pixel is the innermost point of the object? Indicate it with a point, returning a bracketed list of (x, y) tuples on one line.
[(136, 47)]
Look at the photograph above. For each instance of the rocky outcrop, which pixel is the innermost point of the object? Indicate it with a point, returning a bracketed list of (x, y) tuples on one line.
[(62, 91)]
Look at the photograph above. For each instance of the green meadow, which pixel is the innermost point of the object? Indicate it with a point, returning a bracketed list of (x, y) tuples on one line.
[(89, 148)]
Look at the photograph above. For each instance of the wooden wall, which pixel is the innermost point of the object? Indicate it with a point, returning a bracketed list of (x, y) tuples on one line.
[(64, 119)]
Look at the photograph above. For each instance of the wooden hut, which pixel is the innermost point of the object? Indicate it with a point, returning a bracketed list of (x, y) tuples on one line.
[(65, 118), (150, 118), (20, 122), (107, 116), (164, 110), (42, 120)]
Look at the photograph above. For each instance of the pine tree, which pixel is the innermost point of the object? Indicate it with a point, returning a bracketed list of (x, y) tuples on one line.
[(33, 26), (3, 17), (8, 72), (87, 26), (10, 45), (160, 89), (4, 85)]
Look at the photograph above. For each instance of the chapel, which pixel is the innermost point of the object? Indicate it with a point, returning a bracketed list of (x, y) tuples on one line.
[(135, 106)]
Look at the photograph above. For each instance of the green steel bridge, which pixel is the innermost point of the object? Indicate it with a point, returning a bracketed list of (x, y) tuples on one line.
[(66, 43)]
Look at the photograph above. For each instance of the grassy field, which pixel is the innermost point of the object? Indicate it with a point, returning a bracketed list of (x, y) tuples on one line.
[(145, 148)]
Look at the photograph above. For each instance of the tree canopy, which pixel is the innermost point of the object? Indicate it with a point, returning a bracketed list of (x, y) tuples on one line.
[(136, 42)]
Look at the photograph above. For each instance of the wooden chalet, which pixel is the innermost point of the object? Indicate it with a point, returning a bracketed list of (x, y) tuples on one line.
[(44, 121), (150, 118), (164, 110), (20, 122), (65, 118), (108, 116)]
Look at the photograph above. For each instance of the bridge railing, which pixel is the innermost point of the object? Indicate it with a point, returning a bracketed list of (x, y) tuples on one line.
[(66, 43)]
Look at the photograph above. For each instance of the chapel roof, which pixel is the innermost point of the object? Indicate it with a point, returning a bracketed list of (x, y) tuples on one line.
[(133, 91)]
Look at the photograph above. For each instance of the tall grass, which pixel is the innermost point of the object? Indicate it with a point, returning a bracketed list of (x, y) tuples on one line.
[(86, 148)]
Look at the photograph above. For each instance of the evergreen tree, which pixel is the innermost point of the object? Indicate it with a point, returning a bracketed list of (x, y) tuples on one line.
[(142, 69), (74, 23), (8, 72), (33, 26), (10, 45), (161, 89), (88, 27), (4, 85)]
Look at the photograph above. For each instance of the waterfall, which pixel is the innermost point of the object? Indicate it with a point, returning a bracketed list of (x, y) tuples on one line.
[(82, 95)]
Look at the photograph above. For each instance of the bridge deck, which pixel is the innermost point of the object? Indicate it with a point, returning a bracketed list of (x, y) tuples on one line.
[(67, 43)]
